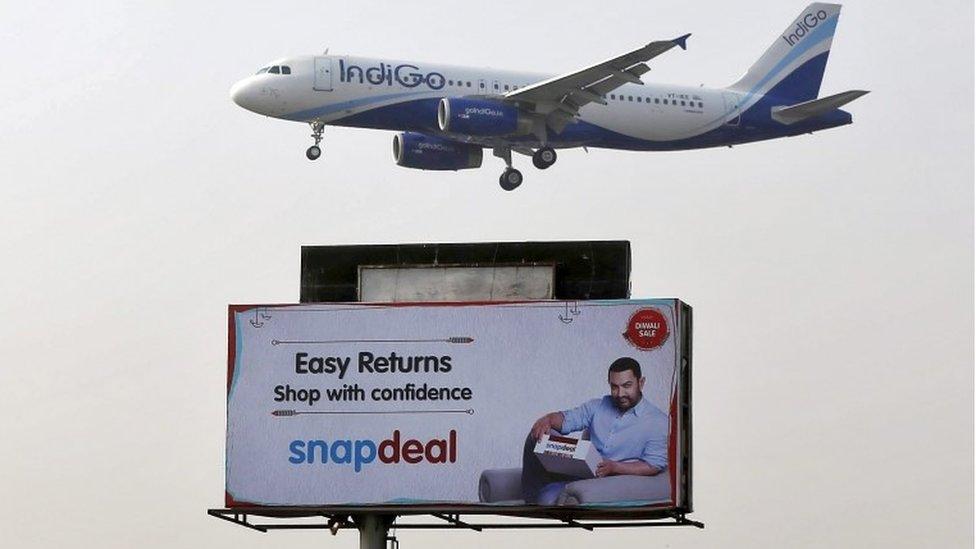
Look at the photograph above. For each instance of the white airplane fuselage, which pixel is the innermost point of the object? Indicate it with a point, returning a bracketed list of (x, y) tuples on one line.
[(403, 96), (448, 114)]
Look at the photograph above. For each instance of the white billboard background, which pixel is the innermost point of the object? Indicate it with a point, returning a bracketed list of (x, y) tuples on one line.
[(525, 360)]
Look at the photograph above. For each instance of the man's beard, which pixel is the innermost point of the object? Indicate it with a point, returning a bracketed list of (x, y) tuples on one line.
[(623, 403)]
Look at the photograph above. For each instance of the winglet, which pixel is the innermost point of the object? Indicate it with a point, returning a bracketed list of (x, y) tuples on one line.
[(682, 41)]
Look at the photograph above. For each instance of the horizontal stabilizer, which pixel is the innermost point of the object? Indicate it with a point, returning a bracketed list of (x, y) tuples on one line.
[(808, 109)]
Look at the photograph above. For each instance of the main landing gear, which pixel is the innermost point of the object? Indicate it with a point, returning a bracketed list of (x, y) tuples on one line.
[(314, 152), (544, 157), (511, 178)]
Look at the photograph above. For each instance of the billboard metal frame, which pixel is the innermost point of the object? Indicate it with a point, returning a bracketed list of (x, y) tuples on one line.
[(336, 521)]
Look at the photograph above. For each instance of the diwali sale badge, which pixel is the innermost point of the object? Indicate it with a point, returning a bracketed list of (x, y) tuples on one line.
[(647, 329)]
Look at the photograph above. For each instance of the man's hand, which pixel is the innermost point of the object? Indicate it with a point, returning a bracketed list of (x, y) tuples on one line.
[(608, 467), (545, 423)]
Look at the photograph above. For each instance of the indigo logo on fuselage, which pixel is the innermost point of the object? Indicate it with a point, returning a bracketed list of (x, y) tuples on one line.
[(804, 26), (408, 76)]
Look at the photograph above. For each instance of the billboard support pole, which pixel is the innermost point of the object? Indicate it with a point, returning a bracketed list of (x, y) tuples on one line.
[(373, 529)]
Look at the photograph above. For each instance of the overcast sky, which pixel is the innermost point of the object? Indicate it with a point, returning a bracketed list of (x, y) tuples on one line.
[(831, 275)]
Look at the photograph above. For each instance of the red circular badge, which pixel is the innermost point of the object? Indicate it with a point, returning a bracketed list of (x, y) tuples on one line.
[(647, 329)]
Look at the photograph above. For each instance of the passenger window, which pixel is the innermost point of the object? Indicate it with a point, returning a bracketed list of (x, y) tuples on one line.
[(482, 85), (657, 101), (506, 87), (496, 86), (682, 103), (450, 82), (274, 70), (285, 70), (613, 96), (638, 99), (700, 105), (469, 84)]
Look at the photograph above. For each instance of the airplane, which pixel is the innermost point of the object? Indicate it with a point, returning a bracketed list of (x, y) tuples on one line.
[(446, 115)]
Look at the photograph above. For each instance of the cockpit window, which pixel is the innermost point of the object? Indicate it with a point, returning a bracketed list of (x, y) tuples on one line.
[(276, 69)]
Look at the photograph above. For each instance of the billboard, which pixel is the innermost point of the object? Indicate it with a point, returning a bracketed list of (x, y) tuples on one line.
[(546, 403)]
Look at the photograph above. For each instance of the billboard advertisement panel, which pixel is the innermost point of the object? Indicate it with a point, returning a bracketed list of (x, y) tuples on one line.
[(504, 404)]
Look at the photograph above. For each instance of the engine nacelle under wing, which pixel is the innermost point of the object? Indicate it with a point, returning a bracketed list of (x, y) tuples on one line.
[(481, 117), (426, 152)]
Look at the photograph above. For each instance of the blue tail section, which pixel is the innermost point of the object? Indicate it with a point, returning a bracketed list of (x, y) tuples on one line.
[(803, 84), (793, 66)]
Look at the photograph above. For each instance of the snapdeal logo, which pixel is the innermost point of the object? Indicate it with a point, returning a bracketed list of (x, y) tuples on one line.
[(359, 453)]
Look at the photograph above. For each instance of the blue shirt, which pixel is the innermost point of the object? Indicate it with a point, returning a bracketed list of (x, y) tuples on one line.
[(639, 433)]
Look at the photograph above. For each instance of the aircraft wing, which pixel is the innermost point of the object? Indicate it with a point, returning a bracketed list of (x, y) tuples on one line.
[(562, 96)]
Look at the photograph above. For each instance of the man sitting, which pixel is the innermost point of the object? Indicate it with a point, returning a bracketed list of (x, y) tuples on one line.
[(630, 433)]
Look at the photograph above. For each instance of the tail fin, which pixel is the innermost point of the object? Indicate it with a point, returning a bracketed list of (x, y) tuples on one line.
[(792, 68)]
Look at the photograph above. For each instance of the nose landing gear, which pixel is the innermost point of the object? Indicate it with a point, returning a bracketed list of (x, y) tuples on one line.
[(314, 152)]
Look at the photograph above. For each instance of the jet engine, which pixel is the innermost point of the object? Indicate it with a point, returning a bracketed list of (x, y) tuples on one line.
[(481, 117), (426, 152)]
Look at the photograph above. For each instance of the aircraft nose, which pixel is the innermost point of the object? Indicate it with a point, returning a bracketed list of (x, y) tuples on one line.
[(239, 94), (259, 96)]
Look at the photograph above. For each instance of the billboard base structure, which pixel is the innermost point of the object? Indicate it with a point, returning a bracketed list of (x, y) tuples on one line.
[(482, 272), (295, 520)]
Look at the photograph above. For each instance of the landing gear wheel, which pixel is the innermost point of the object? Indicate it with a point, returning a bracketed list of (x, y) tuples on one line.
[(510, 179), (314, 152), (544, 157)]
